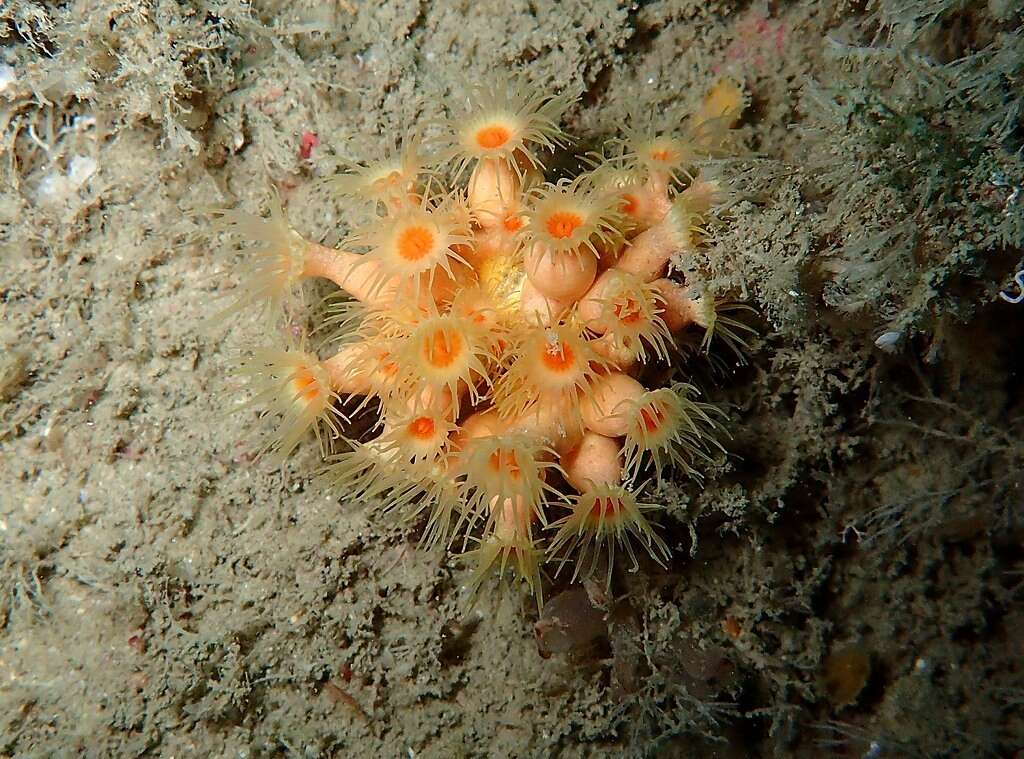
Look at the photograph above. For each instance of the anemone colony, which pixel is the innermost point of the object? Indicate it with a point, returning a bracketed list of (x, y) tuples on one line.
[(496, 327)]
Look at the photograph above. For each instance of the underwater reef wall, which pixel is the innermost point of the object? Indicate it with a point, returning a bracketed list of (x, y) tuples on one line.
[(845, 579)]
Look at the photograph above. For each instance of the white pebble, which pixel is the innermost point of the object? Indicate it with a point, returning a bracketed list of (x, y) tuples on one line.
[(57, 186), (51, 187), (887, 341), (7, 77), (80, 168)]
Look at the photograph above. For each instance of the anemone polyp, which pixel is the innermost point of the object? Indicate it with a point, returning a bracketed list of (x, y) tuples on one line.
[(572, 216), (552, 366), (606, 518), (391, 180), (665, 156), (668, 427), (416, 243), (496, 330), (296, 388), (510, 121), (421, 435), (507, 471), (270, 275), (445, 353), (629, 310)]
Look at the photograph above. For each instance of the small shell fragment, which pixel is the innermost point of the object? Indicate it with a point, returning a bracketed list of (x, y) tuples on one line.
[(887, 341)]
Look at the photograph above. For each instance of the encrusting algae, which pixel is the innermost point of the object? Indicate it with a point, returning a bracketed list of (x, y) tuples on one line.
[(500, 324)]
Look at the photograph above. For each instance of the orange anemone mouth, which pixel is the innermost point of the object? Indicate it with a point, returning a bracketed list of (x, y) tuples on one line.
[(414, 243), (493, 136), (442, 348), (605, 506), (562, 224), (558, 358), (422, 428), (628, 313), (652, 418), (305, 386), (505, 462), (512, 223), (665, 154)]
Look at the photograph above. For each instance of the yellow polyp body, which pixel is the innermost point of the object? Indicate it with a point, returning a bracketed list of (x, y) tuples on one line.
[(606, 412), (538, 309), (597, 460), (496, 332), (561, 275), (493, 191), (724, 101)]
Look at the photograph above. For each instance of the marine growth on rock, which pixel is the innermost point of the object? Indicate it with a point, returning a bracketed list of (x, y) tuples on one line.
[(497, 326)]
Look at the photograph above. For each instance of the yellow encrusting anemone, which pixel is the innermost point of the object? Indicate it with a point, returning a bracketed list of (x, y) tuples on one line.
[(497, 329)]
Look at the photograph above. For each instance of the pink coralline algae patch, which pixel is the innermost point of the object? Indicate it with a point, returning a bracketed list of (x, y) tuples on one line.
[(758, 44)]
